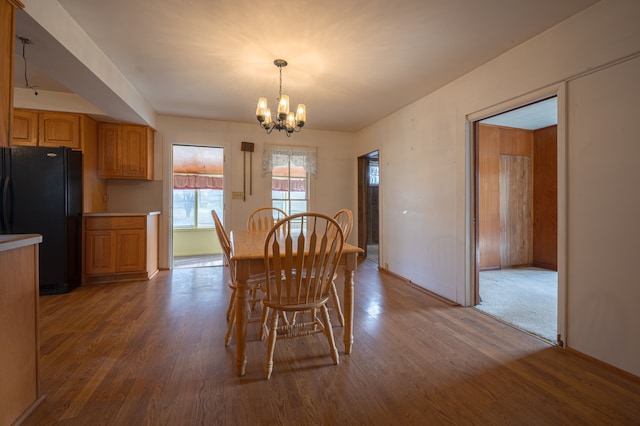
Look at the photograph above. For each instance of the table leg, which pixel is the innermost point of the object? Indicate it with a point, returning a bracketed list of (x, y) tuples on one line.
[(350, 267), (242, 272)]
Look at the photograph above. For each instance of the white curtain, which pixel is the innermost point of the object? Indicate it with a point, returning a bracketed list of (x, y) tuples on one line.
[(279, 156)]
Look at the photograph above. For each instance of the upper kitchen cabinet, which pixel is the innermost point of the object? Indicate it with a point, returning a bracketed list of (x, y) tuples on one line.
[(59, 129), (125, 151), (7, 40), (46, 128), (25, 127)]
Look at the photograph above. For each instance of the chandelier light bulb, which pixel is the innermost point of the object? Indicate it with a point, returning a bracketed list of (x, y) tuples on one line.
[(283, 107), (301, 114), (267, 117), (261, 109)]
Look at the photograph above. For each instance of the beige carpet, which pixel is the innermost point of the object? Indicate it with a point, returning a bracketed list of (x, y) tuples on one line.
[(526, 298)]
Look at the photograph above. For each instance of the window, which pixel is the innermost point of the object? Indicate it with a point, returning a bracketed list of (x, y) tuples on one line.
[(289, 188), (374, 173), (290, 169), (197, 185), (192, 207)]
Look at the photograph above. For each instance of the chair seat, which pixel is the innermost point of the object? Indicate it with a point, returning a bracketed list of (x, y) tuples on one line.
[(301, 307)]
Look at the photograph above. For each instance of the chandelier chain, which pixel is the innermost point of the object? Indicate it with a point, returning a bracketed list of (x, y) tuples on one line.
[(280, 91)]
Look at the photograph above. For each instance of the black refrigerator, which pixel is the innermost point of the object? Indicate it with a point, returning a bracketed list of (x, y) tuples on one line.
[(41, 193)]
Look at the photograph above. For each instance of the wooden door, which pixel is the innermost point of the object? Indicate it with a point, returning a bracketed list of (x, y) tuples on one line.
[(134, 147), (100, 252), (516, 247), (131, 250), (362, 204), (7, 43), (59, 129), (109, 163), (25, 128)]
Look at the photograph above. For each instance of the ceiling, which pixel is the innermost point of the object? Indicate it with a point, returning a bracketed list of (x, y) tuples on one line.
[(352, 62), (531, 117)]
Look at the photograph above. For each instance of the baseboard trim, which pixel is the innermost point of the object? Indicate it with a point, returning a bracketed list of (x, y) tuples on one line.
[(419, 287), (606, 365)]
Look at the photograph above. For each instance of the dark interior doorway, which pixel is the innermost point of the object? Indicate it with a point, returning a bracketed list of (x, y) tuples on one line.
[(368, 205)]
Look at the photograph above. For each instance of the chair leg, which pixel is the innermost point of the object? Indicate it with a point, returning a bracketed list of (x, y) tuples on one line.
[(232, 301), (264, 328), (328, 331), (273, 334), (230, 325), (254, 298), (336, 303)]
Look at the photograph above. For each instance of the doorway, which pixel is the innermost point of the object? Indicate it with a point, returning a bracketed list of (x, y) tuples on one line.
[(516, 209), (198, 188), (368, 205)]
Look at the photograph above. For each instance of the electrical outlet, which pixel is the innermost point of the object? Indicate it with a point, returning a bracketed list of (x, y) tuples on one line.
[(237, 195)]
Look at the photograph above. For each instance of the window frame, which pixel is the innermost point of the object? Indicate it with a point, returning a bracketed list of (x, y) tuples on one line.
[(310, 176)]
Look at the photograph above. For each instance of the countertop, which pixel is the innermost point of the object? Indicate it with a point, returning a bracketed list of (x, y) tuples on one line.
[(14, 241), (98, 214)]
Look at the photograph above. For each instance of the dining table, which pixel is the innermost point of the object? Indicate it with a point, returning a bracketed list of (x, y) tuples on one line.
[(247, 251)]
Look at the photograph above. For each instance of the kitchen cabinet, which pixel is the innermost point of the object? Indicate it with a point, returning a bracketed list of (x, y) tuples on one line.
[(47, 128), (125, 151), (59, 129), (19, 335), (25, 128), (120, 246), (7, 43)]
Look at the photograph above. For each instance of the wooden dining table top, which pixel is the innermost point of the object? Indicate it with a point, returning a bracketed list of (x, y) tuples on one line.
[(249, 245)]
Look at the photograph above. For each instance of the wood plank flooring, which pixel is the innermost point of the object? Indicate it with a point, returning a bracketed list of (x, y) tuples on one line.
[(152, 353)]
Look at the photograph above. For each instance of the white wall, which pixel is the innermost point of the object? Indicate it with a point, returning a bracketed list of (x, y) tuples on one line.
[(425, 173), (333, 189), (604, 212)]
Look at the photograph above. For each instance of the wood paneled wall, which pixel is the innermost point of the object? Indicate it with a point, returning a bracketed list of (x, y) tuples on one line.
[(489, 197), (536, 243), (516, 245), (545, 198)]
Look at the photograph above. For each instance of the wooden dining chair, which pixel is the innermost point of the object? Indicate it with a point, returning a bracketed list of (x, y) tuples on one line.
[(344, 217), (255, 282), (264, 218), (301, 261)]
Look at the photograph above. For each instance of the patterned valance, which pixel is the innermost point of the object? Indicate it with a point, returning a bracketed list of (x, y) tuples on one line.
[(279, 156), (186, 181)]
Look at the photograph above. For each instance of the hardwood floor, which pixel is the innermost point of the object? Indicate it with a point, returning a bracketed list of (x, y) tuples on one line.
[(153, 353), (199, 261)]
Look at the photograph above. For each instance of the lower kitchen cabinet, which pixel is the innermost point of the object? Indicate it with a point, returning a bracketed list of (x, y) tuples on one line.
[(19, 331), (120, 246)]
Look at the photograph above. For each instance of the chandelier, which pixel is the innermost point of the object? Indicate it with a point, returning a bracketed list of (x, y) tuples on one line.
[(286, 121)]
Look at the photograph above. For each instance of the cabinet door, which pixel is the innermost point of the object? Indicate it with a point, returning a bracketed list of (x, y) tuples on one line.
[(59, 129), (25, 128), (134, 146), (7, 42), (100, 252), (19, 331), (131, 250), (109, 157)]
